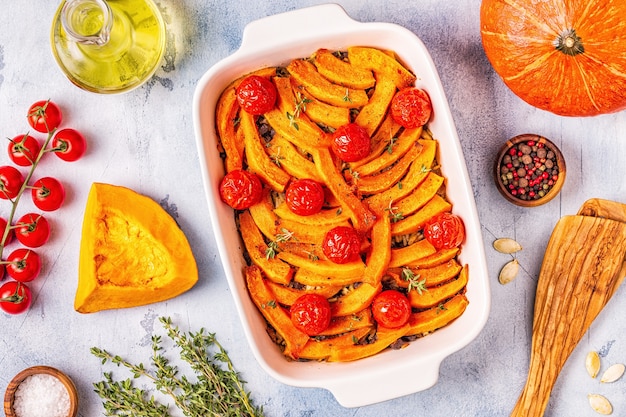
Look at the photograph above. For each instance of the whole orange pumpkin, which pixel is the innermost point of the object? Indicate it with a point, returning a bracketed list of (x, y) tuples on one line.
[(564, 56)]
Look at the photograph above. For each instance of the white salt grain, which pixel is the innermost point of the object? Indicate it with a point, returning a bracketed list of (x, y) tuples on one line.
[(41, 395)]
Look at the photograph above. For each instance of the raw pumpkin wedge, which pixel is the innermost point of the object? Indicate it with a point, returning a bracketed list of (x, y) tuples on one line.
[(132, 252)]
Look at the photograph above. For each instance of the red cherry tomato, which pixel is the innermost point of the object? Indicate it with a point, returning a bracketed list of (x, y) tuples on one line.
[(351, 142), (3, 226), (256, 94), (241, 189), (69, 144), (391, 309), (445, 231), (305, 197), (23, 265), (44, 116), (48, 194), (11, 181), (310, 313), (342, 244), (32, 230), (23, 150), (411, 107), (15, 297)]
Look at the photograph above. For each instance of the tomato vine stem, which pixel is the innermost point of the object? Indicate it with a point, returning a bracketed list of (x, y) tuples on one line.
[(16, 200)]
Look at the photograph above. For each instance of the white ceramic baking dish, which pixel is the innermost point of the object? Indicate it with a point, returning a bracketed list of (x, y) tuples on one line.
[(275, 40)]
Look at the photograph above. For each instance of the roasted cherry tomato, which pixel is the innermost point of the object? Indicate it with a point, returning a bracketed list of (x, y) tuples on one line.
[(391, 309), (342, 244), (48, 194), (44, 116), (23, 265), (241, 189), (15, 297), (445, 231), (256, 94), (11, 181), (32, 230), (23, 150), (411, 107), (305, 197), (69, 144), (310, 313), (351, 142)]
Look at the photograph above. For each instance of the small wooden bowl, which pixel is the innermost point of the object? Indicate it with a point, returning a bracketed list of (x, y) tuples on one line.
[(528, 201), (9, 395)]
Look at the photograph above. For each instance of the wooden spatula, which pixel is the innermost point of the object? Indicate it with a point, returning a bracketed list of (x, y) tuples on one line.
[(582, 268)]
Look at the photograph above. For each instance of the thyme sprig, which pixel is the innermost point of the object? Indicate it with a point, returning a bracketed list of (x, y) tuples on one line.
[(394, 214), (277, 157), (391, 144), (347, 97), (414, 281), (301, 103), (273, 246), (217, 390)]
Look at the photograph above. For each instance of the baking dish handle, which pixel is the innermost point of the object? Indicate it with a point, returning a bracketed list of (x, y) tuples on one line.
[(296, 26), (386, 383)]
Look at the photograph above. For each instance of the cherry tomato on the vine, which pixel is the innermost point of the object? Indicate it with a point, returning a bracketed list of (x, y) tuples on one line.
[(351, 142), (241, 189), (23, 265), (11, 180), (311, 314), (445, 231), (15, 297), (256, 95), (342, 244), (44, 116), (48, 194), (391, 309), (3, 227), (304, 196), (23, 150), (32, 230), (69, 144), (411, 107)]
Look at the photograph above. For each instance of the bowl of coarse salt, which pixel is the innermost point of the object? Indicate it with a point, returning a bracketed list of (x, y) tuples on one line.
[(41, 391)]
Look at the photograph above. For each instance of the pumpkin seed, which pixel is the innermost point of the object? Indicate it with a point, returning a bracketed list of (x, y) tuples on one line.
[(592, 363), (614, 373), (600, 404), (506, 245), (509, 272)]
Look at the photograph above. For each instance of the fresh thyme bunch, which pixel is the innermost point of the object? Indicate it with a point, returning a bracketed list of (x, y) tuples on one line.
[(216, 391)]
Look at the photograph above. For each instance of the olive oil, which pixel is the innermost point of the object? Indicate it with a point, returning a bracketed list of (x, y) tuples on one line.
[(108, 47)]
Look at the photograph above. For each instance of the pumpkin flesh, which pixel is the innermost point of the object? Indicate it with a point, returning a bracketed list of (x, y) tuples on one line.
[(566, 57), (132, 252)]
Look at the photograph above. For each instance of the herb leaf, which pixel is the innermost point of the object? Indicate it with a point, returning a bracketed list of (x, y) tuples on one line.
[(273, 247), (414, 281), (217, 391)]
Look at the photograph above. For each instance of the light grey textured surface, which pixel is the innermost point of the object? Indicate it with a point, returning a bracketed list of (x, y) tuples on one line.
[(144, 140)]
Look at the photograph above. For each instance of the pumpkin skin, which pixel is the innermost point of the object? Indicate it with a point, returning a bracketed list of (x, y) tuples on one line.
[(563, 56), (132, 252)]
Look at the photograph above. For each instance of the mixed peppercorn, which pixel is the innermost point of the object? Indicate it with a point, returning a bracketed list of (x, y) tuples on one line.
[(529, 170)]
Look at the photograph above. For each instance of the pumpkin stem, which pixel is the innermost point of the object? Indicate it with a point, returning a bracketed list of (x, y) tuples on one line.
[(569, 43)]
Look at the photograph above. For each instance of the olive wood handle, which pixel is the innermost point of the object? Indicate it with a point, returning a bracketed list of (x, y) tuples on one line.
[(597, 207), (607, 209), (582, 268)]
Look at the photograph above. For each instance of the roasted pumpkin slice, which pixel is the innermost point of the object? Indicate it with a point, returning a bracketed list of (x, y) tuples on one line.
[(341, 72), (427, 321), (132, 252)]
